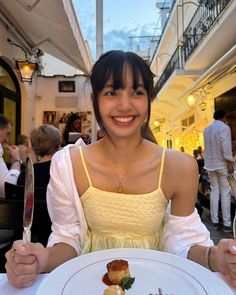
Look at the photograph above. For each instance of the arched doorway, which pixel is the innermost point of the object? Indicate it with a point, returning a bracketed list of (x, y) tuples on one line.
[(10, 98)]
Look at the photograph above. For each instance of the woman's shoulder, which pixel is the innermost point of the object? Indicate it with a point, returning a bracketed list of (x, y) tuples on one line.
[(180, 161)]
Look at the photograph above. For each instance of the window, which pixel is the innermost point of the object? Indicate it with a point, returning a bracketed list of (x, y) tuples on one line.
[(66, 86), (187, 122)]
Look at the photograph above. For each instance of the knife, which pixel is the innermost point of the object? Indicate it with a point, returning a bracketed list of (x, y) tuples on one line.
[(28, 200)]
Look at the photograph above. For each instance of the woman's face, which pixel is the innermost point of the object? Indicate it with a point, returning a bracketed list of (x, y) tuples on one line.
[(123, 111), (77, 125)]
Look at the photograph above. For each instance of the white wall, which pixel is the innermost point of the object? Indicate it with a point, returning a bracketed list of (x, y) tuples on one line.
[(53, 66), (47, 95)]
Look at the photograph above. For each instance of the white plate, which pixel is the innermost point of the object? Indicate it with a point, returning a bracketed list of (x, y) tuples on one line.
[(152, 270)]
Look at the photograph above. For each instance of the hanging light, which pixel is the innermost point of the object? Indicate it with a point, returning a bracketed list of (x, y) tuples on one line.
[(191, 100), (156, 124), (26, 69), (202, 106)]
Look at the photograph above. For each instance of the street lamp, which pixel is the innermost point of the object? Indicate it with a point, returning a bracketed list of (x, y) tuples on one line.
[(191, 100), (202, 106), (25, 67), (199, 94)]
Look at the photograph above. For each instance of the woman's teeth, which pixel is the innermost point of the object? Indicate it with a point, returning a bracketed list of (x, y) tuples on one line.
[(124, 119)]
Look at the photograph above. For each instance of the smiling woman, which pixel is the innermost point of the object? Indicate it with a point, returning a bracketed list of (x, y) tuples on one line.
[(114, 193)]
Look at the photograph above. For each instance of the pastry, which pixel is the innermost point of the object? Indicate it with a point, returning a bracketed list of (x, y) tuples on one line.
[(114, 290), (117, 270)]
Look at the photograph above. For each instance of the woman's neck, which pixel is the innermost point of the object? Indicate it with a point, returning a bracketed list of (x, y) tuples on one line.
[(45, 158), (122, 150)]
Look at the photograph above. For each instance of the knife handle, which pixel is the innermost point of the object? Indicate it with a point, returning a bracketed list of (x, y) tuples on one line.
[(26, 236)]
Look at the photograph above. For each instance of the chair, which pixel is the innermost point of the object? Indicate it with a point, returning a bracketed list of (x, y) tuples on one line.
[(11, 221), (11, 218), (16, 192), (12, 212)]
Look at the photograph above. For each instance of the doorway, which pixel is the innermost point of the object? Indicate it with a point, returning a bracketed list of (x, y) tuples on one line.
[(10, 98)]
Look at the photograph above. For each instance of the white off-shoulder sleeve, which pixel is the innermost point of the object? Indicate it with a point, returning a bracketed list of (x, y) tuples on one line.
[(64, 206), (6, 175), (181, 233)]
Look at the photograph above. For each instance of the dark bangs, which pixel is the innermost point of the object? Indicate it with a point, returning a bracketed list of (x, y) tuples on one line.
[(111, 66)]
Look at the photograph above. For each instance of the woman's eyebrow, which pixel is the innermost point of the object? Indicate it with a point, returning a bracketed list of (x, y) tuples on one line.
[(108, 85)]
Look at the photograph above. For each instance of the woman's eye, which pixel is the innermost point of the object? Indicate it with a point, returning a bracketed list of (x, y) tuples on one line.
[(110, 93), (139, 92)]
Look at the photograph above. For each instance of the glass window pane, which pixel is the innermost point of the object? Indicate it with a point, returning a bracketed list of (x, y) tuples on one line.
[(6, 80), (10, 112)]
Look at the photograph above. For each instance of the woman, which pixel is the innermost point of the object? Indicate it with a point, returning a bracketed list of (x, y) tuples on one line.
[(115, 192), (73, 125), (45, 141)]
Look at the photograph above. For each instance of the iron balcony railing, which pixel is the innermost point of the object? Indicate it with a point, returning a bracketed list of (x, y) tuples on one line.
[(205, 16)]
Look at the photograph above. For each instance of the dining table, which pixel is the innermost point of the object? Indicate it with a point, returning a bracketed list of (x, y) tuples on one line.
[(7, 289)]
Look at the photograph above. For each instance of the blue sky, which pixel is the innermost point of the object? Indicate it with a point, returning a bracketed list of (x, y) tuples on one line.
[(122, 19)]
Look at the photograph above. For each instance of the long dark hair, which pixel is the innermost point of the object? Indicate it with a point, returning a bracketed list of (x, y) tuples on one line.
[(69, 127), (111, 65)]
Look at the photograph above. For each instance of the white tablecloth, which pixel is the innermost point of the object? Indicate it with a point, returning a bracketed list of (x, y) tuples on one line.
[(7, 289)]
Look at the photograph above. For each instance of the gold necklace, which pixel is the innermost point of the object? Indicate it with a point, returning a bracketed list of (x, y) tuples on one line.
[(121, 179)]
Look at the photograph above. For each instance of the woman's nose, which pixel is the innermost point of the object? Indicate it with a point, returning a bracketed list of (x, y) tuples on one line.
[(124, 101)]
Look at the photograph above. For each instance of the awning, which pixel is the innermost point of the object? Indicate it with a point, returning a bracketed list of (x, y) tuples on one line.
[(51, 26)]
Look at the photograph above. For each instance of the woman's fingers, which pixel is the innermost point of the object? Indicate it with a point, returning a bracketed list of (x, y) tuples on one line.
[(22, 263), (21, 275)]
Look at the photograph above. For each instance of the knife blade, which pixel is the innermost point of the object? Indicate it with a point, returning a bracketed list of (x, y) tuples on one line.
[(28, 200)]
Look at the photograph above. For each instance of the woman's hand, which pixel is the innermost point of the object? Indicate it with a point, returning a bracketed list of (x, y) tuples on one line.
[(13, 151), (225, 260), (24, 263)]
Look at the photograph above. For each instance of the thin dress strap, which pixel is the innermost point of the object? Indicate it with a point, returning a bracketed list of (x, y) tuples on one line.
[(161, 168), (84, 165)]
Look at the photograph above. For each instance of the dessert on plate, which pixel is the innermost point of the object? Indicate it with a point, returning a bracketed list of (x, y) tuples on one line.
[(117, 270), (114, 290)]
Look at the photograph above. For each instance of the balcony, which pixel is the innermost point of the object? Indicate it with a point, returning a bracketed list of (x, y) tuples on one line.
[(203, 20)]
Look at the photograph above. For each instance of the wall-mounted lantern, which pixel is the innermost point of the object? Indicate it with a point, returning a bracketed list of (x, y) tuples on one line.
[(191, 100), (26, 70), (25, 67)]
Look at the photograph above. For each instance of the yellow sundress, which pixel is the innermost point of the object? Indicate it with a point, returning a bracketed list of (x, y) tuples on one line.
[(117, 220)]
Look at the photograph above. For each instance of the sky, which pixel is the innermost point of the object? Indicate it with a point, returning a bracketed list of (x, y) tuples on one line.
[(122, 19)]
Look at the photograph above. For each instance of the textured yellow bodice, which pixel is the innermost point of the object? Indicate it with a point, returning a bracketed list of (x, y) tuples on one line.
[(117, 220)]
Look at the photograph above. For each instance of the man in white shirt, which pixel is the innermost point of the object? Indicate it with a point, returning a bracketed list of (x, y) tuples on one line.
[(5, 174), (219, 163)]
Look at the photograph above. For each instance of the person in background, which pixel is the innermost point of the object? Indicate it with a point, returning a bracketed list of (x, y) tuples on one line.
[(23, 144), (195, 154), (122, 172), (45, 141), (199, 153), (12, 174), (182, 149), (219, 162), (73, 125), (200, 161)]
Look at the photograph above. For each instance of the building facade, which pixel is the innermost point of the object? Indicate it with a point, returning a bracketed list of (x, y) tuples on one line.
[(195, 67), (27, 31)]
